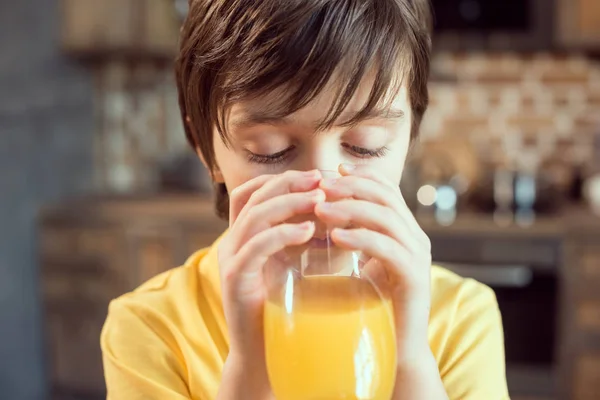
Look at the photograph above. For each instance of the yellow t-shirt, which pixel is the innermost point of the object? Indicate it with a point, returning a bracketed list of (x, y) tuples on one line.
[(168, 339)]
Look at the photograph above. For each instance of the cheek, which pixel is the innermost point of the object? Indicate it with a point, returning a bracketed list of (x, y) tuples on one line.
[(392, 165), (233, 166)]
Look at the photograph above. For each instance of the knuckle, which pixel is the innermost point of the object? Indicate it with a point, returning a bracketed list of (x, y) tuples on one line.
[(249, 248), (236, 192), (253, 213), (253, 198), (252, 248), (287, 176), (239, 191), (287, 179), (229, 273), (351, 181), (290, 174), (391, 215), (391, 247), (386, 245)]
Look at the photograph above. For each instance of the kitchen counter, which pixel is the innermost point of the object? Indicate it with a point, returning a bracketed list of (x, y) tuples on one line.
[(182, 206), (573, 219), (94, 249)]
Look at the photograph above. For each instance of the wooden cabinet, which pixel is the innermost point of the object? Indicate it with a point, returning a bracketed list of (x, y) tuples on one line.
[(94, 251), (587, 377), (578, 24), (580, 319), (130, 28), (562, 319)]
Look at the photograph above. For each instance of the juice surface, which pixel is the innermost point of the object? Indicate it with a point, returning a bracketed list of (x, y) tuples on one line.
[(330, 338)]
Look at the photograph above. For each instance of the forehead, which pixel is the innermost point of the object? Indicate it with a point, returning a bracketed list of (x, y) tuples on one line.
[(272, 106)]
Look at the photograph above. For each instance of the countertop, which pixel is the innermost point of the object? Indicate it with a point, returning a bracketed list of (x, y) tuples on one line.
[(572, 219)]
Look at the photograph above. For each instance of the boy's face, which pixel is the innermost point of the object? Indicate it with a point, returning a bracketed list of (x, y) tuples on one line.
[(261, 146)]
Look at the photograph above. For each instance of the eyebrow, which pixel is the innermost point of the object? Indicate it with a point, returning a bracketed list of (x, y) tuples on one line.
[(257, 117)]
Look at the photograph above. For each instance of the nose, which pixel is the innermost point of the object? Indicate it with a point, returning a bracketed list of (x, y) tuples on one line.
[(327, 170), (324, 154)]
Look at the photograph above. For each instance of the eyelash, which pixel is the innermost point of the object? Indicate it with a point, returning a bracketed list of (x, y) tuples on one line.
[(276, 158), (280, 157), (361, 152)]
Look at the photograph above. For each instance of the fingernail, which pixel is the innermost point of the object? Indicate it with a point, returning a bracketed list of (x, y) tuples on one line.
[(305, 226), (348, 167), (328, 183), (316, 193), (342, 233), (326, 206)]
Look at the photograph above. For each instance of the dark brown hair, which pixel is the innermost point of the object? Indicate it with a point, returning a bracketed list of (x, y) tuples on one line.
[(235, 50)]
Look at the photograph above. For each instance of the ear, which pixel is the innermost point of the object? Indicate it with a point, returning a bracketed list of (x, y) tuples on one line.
[(214, 170)]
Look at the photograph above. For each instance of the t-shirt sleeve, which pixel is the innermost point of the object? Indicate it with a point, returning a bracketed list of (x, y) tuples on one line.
[(474, 365), (139, 357)]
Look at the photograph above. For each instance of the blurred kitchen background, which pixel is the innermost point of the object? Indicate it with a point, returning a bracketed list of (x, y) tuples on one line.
[(99, 191)]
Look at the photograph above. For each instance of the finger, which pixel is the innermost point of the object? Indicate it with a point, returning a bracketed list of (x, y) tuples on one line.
[(376, 273), (368, 172), (364, 214), (254, 254), (378, 246), (275, 211), (241, 194), (401, 207), (288, 182), (360, 188)]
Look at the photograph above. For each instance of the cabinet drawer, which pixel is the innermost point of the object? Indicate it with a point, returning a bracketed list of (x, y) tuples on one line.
[(590, 263), (587, 377), (197, 240), (588, 316), (589, 17), (74, 351), (69, 248), (153, 250)]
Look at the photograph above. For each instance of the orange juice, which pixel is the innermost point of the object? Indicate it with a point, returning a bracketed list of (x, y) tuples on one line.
[(330, 338)]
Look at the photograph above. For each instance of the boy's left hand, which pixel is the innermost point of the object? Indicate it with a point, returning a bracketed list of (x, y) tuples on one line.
[(385, 230)]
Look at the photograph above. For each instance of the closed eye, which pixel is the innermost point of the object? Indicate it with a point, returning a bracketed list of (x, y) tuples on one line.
[(275, 158), (362, 152)]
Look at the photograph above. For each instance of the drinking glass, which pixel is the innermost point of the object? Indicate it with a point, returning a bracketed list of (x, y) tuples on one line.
[(328, 323)]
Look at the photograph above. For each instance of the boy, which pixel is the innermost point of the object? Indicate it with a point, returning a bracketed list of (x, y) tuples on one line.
[(271, 91)]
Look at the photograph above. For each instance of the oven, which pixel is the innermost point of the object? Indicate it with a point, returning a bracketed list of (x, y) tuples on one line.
[(523, 272)]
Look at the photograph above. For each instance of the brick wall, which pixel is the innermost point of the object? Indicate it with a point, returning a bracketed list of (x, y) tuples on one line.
[(506, 104)]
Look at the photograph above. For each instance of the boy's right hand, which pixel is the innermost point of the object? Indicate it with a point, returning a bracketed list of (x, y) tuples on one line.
[(259, 210)]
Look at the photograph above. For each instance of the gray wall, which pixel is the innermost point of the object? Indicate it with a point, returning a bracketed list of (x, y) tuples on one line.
[(45, 154)]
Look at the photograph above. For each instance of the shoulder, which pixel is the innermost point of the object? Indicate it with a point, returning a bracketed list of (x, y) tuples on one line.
[(160, 303), (463, 311), (453, 294), (466, 337), (153, 334), (170, 288), (460, 307)]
